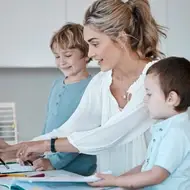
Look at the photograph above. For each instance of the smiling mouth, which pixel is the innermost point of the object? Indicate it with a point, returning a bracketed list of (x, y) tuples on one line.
[(66, 68)]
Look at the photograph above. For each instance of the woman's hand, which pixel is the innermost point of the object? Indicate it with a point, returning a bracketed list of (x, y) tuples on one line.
[(107, 180), (28, 149), (42, 164), (25, 150)]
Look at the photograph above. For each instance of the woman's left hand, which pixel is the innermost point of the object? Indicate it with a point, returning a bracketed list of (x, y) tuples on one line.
[(107, 180)]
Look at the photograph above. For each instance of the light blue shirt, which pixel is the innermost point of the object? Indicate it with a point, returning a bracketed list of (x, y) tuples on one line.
[(63, 101), (170, 149)]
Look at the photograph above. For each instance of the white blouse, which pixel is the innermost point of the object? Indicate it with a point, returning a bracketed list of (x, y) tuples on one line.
[(98, 127)]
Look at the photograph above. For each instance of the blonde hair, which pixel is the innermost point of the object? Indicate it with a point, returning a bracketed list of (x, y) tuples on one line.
[(68, 37), (134, 18)]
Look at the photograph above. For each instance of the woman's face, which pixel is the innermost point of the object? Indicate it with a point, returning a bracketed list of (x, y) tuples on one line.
[(102, 48)]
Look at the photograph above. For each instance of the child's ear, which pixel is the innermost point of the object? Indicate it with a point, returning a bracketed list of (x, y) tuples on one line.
[(173, 99)]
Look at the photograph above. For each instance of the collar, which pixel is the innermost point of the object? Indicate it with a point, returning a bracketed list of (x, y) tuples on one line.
[(174, 122), (77, 82)]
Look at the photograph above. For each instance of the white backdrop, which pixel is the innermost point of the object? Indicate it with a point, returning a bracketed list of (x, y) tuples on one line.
[(26, 27)]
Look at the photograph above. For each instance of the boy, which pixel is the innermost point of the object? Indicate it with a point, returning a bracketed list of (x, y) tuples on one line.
[(71, 55), (167, 164)]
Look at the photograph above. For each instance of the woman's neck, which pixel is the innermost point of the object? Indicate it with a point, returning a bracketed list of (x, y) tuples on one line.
[(76, 78), (128, 70)]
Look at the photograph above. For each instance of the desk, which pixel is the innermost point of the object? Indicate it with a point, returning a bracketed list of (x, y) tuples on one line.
[(55, 186)]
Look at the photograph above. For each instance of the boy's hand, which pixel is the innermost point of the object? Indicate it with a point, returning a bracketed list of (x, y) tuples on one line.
[(42, 164), (106, 181)]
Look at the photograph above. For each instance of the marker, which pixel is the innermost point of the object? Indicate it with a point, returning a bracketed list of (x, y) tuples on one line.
[(13, 175), (38, 175)]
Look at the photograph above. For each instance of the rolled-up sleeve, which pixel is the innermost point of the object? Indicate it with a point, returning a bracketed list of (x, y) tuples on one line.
[(61, 159)]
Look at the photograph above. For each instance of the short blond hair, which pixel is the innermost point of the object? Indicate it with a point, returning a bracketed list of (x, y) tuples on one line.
[(70, 36), (134, 18)]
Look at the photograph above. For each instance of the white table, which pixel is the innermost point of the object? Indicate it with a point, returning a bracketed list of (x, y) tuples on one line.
[(55, 186)]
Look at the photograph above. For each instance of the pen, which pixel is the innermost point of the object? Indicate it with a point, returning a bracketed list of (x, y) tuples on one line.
[(28, 162), (21, 175), (13, 175), (4, 163)]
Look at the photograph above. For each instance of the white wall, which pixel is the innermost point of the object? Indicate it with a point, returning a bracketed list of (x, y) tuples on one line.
[(179, 28), (26, 29), (27, 25)]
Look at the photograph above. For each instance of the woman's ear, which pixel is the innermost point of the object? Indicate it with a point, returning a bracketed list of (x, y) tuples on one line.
[(122, 40), (173, 99)]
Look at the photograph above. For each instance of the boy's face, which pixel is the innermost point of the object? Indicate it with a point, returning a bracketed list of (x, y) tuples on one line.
[(159, 107), (70, 61)]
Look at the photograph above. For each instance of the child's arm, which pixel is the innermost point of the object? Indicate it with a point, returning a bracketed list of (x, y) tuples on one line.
[(135, 170), (61, 159), (151, 177), (138, 180)]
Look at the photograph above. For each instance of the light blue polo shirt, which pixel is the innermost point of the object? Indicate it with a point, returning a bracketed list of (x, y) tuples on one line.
[(170, 149), (63, 101)]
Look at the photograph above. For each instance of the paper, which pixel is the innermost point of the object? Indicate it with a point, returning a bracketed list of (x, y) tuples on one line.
[(56, 185), (62, 178), (8, 184), (15, 168)]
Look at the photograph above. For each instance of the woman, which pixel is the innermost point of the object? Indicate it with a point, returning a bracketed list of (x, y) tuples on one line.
[(111, 120)]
